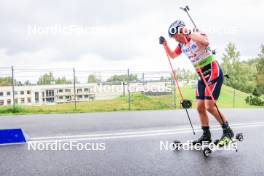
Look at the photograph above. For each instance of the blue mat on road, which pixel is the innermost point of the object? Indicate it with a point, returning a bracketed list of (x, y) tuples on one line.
[(13, 136)]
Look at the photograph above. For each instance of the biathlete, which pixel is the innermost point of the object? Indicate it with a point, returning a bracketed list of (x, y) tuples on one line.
[(196, 47)]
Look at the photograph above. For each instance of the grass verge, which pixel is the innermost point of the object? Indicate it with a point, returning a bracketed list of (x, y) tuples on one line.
[(228, 99)]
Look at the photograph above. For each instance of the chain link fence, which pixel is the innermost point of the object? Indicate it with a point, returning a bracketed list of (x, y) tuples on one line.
[(70, 89)]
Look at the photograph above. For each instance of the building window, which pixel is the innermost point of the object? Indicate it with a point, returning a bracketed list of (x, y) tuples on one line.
[(22, 100), (50, 100), (49, 93), (92, 97), (86, 96), (1, 102), (67, 97), (36, 97), (79, 90), (60, 90), (9, 102), (8, 93), (79, 96), (1, 94), (28, 92), (67, 90), (86, 89), (29, 100), (60, 97), (21, 92)]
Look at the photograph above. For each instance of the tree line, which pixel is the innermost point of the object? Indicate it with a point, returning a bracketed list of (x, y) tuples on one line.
[(244, 75)]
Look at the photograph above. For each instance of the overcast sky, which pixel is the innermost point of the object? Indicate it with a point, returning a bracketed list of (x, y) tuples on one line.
[(118, 34)]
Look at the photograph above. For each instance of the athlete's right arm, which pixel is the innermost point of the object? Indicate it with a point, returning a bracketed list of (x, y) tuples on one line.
[(170, 53)]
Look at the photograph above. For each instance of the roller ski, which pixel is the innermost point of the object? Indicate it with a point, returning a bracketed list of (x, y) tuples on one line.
[(226, 142), (198, 144), (209, 147)]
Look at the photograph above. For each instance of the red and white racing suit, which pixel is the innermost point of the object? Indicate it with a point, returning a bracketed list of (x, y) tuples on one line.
[(202, 57)]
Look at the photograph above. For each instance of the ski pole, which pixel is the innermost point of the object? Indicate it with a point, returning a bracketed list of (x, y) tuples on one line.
[(210, 93), (185, 103), (186, 9)]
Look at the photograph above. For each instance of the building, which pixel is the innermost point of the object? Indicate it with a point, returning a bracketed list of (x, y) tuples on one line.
[(54, 94), (46, 94)]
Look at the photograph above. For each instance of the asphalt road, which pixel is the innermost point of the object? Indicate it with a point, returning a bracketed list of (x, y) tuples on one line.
[(129, 143)]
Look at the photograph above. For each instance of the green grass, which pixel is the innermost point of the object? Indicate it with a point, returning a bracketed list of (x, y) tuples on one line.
[(138, 102), (227, 98)]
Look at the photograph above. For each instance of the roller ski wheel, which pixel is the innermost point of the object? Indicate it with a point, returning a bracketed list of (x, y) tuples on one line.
[(239, 137), (177, 144), (207, 151)]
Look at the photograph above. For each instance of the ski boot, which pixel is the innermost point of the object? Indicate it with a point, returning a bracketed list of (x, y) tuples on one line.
[(226, 137), (204, 139)]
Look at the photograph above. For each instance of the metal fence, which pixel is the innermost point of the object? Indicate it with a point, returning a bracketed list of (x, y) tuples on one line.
[(106, 90)]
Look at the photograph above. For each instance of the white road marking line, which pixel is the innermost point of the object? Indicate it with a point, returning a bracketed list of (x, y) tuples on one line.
[(135, 133)]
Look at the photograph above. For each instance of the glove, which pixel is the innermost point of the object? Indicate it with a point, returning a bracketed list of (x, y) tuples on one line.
[(161, 40)]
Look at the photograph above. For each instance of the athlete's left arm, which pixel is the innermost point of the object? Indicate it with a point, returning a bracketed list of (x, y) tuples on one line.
[(200, 38)]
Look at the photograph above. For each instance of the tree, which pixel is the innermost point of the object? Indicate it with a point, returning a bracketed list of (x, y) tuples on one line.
[(62, 80), (260, 65), (19, 83), (124, 77), (162, 78), (237, 71), (92, 79), (185, 74), (47, 78), (5, 81), (256, 93), (230, 64), (260, 71), (27, 82)]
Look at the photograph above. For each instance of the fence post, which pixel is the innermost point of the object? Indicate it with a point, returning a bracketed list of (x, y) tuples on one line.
[(124, 89), (234, 97), (143, 79), (74, 88), (143, 82), (174, 92), (128, 90), (13, 86)]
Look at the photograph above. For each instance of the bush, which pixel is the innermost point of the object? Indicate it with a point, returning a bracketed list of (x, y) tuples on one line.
[(11, 109), (256, 92), (253, 100)]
